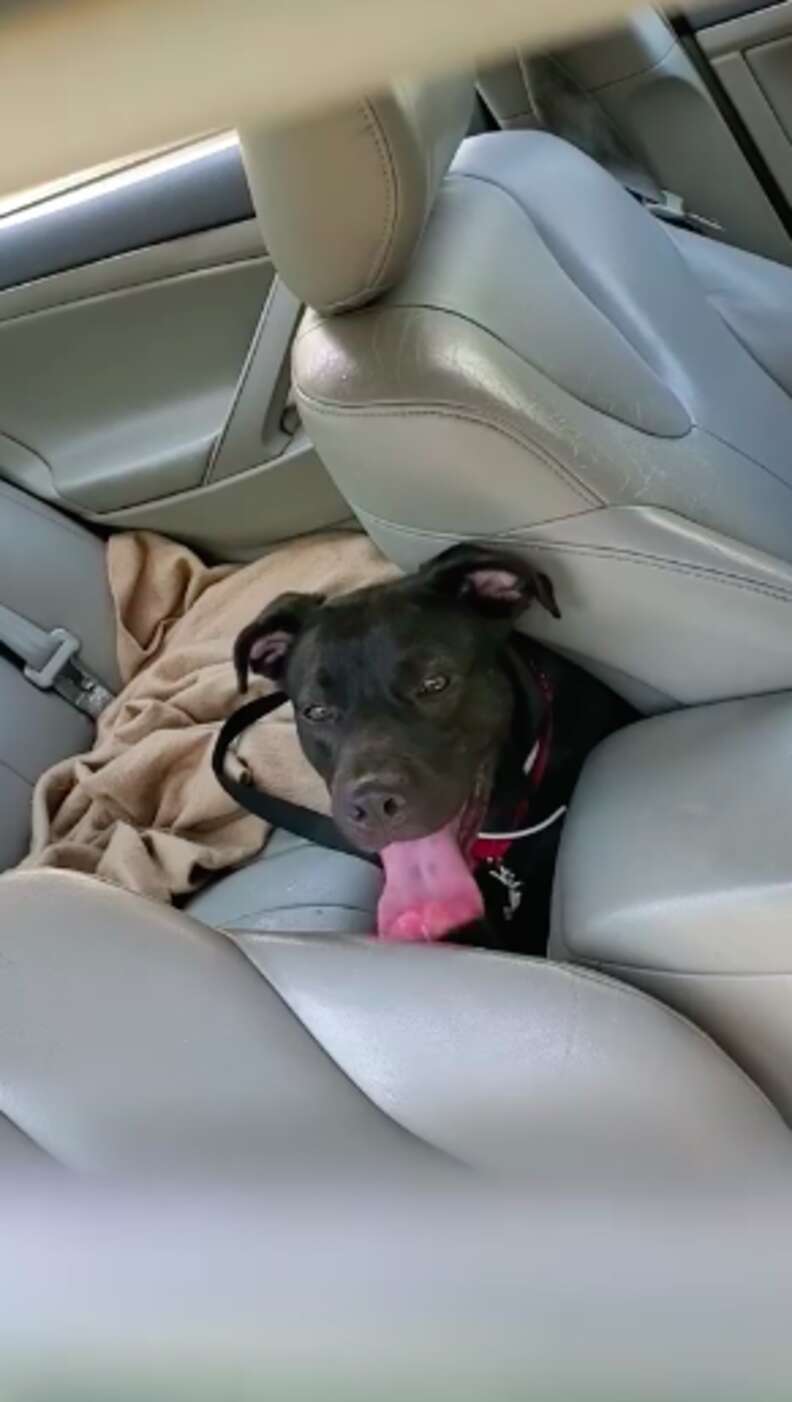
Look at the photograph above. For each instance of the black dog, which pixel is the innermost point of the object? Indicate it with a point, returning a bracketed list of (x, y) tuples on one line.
[(430, 719)]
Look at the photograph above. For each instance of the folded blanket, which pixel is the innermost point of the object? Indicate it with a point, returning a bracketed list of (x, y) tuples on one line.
[(143, 809)]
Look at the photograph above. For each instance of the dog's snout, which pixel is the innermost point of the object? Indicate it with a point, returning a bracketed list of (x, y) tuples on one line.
[(375, 807), (381, 802)]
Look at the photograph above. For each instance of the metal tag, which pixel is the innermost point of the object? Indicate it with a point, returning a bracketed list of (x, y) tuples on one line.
[(514, 888)]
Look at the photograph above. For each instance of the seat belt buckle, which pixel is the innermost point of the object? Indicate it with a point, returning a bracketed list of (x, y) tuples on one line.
[(63, 674), (66, 646), (672, 209)]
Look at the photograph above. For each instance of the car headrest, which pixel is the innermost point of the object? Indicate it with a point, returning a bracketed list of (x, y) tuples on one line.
[(343, 196)]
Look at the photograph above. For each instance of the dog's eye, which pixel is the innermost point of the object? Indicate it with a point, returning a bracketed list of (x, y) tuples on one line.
[(319, 715), (432, 686)]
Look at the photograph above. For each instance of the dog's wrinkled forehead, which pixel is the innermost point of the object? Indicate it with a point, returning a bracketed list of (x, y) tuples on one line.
[(381, 639), (466, 600)]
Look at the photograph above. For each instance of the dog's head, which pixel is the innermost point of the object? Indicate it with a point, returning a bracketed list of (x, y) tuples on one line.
[(401, 701)]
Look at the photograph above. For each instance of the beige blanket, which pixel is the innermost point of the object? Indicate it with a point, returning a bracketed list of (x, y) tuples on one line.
[(143, 809)]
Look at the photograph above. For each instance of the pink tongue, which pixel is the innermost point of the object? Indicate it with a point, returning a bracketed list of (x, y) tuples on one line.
[(429, 890)]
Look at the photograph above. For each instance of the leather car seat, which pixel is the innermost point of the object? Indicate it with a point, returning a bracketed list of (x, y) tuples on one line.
[(52, 572), (517, 350), (674, 874), (134, 1040)]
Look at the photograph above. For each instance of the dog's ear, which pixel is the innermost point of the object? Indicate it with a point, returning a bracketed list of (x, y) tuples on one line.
[(264, 646), (496, 583)]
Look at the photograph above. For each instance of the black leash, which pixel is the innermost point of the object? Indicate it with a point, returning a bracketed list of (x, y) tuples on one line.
[(278, 812)]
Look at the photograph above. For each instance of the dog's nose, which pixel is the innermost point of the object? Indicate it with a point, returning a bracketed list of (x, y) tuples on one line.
[(375, 807)]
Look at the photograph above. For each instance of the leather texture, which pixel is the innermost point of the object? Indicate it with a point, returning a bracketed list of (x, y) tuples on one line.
[(552, 359), (674, 873), (137, 384), (751, 295), (18, 1154), (343, 196), (632, 98), (52, 570), (186, 426), (237, 518), (625, 578), (479, 347), (37, 729), (293, 885), (134, 1040)]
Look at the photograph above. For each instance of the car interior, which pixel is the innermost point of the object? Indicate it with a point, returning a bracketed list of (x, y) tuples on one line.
[(546, 305)]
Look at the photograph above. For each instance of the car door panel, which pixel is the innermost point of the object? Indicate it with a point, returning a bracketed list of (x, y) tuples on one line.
[(752, 57), (146, 384), (771, 65), (150, 202), (122, 395), (701, 16), (232, 519)]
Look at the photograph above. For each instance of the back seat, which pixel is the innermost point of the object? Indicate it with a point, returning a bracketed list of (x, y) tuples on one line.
[(136, 1037), (52, 571)]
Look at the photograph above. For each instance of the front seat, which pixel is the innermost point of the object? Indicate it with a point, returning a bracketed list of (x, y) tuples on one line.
[(517, 350), (135, 1041)]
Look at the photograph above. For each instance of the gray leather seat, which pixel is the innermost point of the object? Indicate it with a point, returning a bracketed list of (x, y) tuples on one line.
[(517, 349), (674, 874), (52, 571), (293, 885), (135, 1040)]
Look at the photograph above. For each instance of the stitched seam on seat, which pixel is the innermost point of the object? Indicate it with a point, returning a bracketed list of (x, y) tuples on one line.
[(628, 557), (299, 905), (636, 557), (23, 778), (662, 972), (528, 214), (26, 448), (237, 952), (494, 184), (601, 969), (59, 522), (310, 329), (14, 1123), (439, 410), (296, 844), (491, 537), (670, 566), (322, 1050), (747, 457), (575, 394), (389, 1113), (749, 350), (391, 188), (588, 971)]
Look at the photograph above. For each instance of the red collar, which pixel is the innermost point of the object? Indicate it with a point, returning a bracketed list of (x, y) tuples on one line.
[(494, 849)]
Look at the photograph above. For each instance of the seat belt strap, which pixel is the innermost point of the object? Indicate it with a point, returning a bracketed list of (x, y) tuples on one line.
[(50, 661)]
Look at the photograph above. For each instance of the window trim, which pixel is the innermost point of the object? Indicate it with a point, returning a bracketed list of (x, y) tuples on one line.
[(169, 195)]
